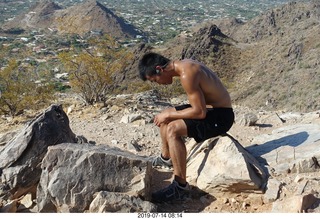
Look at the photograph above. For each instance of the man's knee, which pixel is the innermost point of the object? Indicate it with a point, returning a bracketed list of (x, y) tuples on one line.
[(174, 129)]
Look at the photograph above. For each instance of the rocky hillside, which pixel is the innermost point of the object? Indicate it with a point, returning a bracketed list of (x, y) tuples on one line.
[(90, 16), (270, 62), (278, 65)]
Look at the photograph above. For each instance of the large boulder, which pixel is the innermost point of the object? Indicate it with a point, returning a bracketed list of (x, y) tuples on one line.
[(72, 174), (222, 164), (21, 157)]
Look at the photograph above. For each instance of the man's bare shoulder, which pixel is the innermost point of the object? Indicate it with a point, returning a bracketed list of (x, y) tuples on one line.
[(189, 62), (189, 66)]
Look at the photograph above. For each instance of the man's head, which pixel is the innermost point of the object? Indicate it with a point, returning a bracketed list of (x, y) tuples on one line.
[(151, 64)]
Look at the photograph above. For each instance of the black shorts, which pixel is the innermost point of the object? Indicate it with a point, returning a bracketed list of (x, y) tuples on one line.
[(217, 122)]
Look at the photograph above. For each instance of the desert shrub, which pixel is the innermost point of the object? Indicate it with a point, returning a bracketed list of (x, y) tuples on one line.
[(90, 70), (19, 90)]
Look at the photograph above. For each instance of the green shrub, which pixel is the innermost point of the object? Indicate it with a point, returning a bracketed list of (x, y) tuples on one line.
[(19, 90), (90, 71)]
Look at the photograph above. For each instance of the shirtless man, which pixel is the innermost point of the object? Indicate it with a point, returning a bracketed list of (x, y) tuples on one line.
[(208, 114)]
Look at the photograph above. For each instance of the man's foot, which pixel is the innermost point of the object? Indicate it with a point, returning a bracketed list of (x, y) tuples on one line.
[(174, 192), (161, 163)]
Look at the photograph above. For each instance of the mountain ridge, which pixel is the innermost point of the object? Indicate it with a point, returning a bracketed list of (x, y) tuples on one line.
[(89, 16)]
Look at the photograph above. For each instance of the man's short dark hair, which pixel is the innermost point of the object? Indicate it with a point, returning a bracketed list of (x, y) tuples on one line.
[(148, 63)]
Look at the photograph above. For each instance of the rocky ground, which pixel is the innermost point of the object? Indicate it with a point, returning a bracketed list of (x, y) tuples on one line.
[(111, 125), (92, 124), (95, 128)]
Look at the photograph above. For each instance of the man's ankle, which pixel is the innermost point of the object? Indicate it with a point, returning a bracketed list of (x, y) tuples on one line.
[(181, 183)]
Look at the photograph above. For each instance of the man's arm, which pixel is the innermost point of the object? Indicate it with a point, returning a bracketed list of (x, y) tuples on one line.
[(190, 83)]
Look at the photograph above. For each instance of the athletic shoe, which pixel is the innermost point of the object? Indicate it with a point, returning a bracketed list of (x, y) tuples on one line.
[(161, 163), (174, 192)]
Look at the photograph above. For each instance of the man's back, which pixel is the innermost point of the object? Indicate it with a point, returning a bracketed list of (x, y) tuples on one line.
[(215, 94)]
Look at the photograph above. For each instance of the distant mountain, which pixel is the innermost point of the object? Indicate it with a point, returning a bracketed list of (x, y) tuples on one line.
[(41, 15), (90, 16)]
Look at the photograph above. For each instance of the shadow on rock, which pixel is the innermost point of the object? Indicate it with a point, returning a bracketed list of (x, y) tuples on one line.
[(290, 140)]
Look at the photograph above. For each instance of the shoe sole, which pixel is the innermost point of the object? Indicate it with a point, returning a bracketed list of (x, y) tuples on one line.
[(163, 168)]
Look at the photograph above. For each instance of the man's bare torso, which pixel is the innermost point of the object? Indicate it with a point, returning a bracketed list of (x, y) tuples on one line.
[(215, 94)]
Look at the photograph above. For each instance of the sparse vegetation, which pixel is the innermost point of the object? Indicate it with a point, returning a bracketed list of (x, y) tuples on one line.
[(19, 90), (91, 69)]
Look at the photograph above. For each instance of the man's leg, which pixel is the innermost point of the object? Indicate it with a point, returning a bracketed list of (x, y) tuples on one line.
[(163, 133), (179, 188), (165, 147), (175, 130)]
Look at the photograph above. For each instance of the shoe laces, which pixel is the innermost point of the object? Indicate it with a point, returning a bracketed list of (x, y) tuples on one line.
[(173, 188)]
